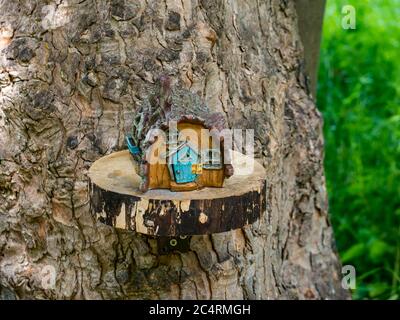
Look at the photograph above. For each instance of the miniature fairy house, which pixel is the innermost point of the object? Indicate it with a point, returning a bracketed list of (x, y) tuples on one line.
[(174, 143)]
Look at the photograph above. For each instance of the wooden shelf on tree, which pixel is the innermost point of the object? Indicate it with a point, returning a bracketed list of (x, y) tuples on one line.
[(116, 201)]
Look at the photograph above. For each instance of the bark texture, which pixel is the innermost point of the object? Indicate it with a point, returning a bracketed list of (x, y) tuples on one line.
[(73, 73)]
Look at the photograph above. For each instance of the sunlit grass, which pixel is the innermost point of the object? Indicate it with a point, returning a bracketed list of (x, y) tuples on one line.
[(359, 95)]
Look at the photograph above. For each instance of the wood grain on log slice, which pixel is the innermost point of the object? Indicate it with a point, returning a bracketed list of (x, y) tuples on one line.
[(117, 201)]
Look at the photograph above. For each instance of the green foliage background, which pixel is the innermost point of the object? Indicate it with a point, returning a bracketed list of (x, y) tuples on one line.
[(359, 96)]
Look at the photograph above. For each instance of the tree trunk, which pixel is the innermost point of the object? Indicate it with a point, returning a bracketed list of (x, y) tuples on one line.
[(72, 75)]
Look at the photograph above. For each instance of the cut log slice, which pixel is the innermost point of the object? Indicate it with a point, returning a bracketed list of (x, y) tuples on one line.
[(116, 200)]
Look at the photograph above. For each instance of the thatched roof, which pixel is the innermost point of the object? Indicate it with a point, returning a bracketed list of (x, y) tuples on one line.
[(167, 104)]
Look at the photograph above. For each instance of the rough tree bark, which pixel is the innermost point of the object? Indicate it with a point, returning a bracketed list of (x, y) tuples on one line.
[(72, 74)]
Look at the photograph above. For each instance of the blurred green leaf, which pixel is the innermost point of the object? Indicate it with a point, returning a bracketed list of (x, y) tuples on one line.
[(377, 289), (354, 251), (377, 249)]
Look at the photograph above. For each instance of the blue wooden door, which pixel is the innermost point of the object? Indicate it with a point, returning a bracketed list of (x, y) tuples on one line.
[(182, 163)]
